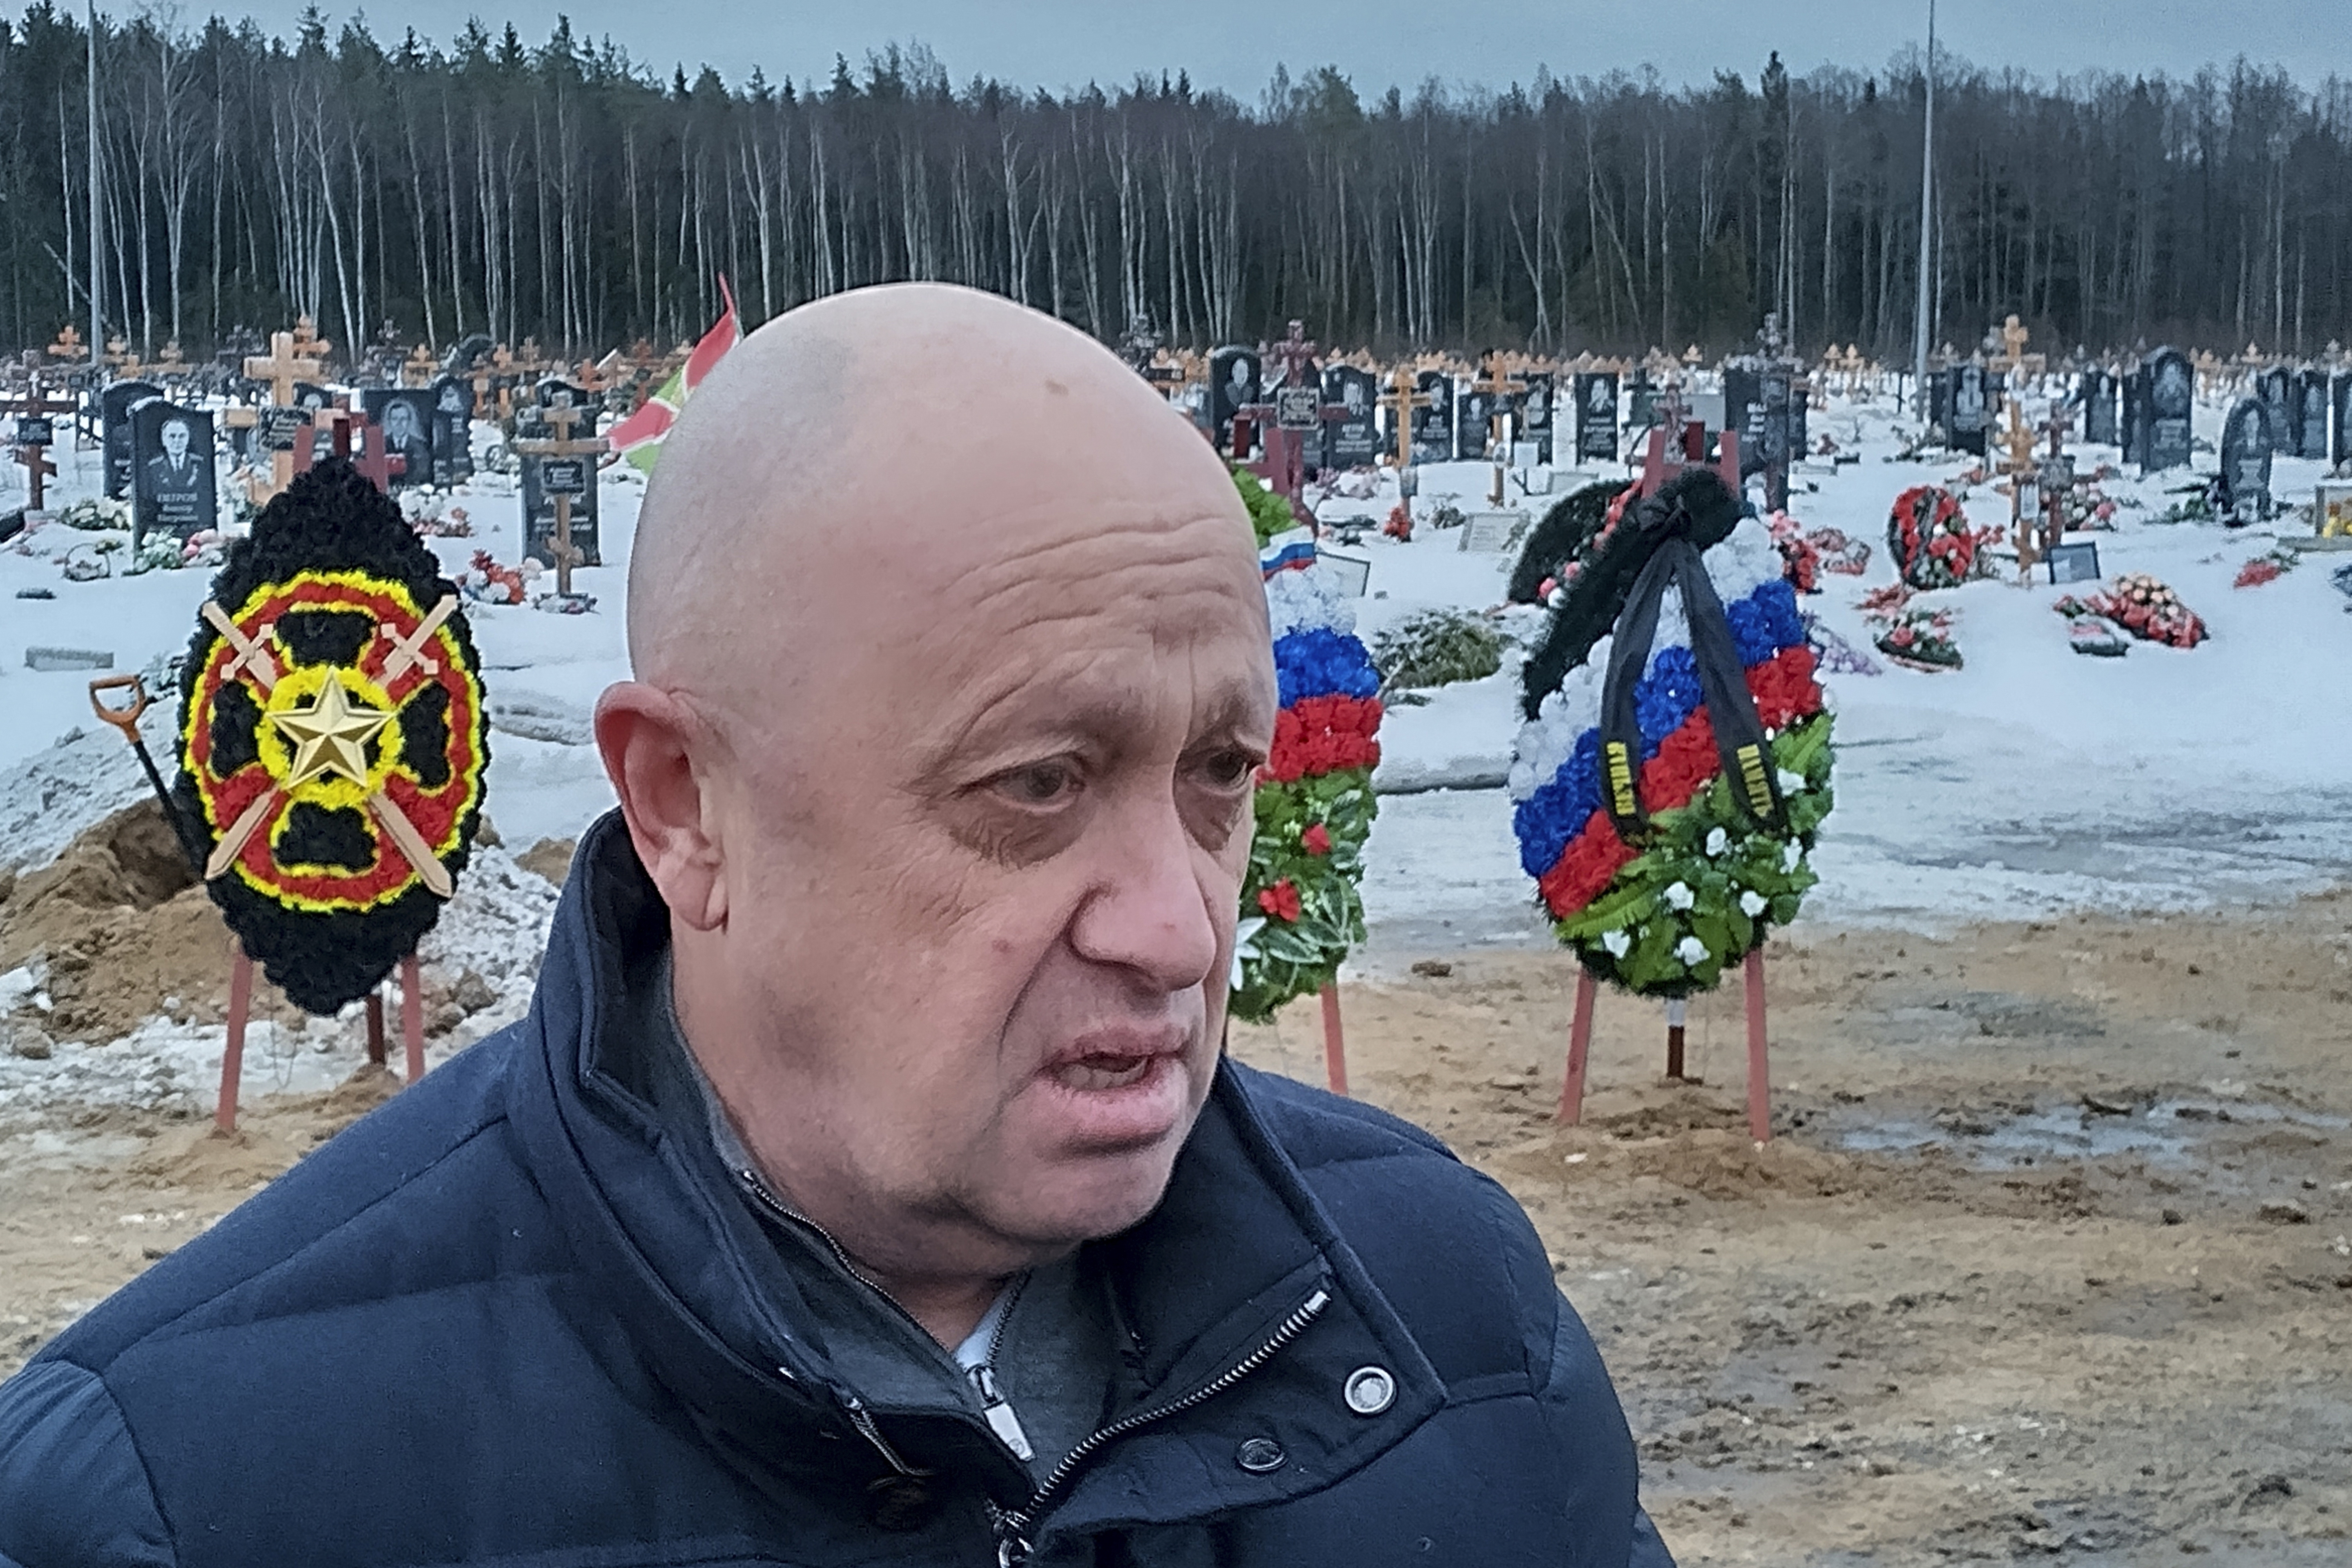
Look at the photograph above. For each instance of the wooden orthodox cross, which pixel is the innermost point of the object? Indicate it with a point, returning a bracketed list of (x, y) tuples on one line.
[(281, 367), (2022, 467), (558, 543), (418, 368), (30, 415), (1401, 400), (69, 346)]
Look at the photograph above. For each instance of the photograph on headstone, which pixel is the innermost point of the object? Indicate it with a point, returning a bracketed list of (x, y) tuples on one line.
[(1538, 406), (1973, 400), (1596, 433), (114, 406), (2246, 450), (1472, 424), (407, 417), (172, 485), (2171, 395), (1433, 424), (453, 430), (1353, 439), (1233, 385)]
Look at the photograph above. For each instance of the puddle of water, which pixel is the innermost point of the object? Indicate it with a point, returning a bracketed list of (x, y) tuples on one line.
[(2167, 1132)]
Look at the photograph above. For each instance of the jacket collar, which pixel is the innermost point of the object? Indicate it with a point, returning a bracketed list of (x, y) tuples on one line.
[(1237, 1244)]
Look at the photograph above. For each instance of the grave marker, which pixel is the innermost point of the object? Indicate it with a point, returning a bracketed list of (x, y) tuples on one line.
[(453, 431), (33, 430), (2246, 452), (1536, 407), (174, 488), (1404, 403), (1598, 436), (1972, 401), (559, 495), (114, 406), (2339, 449), (1433, 424), (2311, 429), (1352, 440), (405, 416), (284, 368), (2170, 399), (1234, 386), (2281, 410), (2098, 396)]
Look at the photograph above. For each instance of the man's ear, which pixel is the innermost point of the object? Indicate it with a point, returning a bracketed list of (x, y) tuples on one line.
[(654, 749)]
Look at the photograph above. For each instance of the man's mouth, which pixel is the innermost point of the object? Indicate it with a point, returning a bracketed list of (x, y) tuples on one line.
[(1103, 1069), (1119, 1088)]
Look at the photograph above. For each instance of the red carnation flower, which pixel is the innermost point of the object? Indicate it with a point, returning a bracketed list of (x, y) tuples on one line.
[(1317, 840), (1280, 901)]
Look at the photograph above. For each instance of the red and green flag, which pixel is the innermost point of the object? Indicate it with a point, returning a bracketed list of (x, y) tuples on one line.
[(639, 439)]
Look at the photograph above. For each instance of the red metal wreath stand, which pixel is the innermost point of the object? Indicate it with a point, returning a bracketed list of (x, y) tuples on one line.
[(240, 1009), (1759, 1078)]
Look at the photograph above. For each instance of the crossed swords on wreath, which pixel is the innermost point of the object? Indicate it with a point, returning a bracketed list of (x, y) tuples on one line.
[(253, 656)]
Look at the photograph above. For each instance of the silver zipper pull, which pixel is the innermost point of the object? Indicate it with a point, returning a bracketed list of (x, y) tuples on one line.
[(999, 1412)]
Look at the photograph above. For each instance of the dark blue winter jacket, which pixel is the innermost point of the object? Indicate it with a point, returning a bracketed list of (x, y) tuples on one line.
[(517, 1317)]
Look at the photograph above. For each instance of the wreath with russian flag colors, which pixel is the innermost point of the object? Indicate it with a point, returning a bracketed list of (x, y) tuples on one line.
[(1300, 911), (1673, 769), (1930, 539)]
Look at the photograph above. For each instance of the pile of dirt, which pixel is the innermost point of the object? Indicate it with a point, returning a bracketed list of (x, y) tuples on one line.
[(123, 928)]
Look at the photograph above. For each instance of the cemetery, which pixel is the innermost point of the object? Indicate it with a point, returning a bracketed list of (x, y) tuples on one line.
[(1859, 846)]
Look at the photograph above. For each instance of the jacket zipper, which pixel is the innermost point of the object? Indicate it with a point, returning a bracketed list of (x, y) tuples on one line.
[(1003, 1419), (854, 1407), (1014, 1528)]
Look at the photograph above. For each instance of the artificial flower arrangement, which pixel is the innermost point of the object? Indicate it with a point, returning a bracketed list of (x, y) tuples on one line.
[(487, 582), (1800, 558), (1699, 882), (2268, 567), (1300, 911), (2143, 607), (1914, 635), (1845, 557), (1929, 537), (1558, 542)]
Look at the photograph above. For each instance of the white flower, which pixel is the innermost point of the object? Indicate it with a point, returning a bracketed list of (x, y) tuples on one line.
[(1677, 896), (1752, 904), (1244, 945), (1717, 840), (1792, 784), (1790, 853), (1618, 943), (1691, 950)]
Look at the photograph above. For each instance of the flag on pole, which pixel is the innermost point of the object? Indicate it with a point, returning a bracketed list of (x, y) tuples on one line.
[(639, 439)]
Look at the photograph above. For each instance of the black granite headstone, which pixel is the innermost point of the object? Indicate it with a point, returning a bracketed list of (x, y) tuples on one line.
[(1743, 408), (405, 414), (1352, 440), (1432, 427), (2311, 429), (2133, 436), (1640, 402), (114, 405), (2339, 394), (1538, 411), (453, 430), (2246, 461), (172, 487), (1473, 412), (1597, 434), (1973, 396), (2171, 400), (1939, 402), (1233, 386), (2281, 409), (2098, 407), (545, 479)]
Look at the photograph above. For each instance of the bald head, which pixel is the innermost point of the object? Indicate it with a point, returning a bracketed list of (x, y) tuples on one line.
[(880, 443), (952, 681)]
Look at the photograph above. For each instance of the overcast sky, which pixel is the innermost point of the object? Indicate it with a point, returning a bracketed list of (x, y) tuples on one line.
[(1235, 46)]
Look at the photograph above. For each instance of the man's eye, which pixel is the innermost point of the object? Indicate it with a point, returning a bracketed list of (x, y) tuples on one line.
[(1040, 783), (1228, 769)]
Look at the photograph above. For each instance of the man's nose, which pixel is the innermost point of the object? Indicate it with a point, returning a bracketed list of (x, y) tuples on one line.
[(1148, 911)]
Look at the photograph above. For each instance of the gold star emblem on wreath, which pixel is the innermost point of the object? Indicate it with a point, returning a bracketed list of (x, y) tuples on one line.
[(332, 735)]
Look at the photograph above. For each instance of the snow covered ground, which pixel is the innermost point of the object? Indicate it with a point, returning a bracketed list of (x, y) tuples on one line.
[(2030, 781)]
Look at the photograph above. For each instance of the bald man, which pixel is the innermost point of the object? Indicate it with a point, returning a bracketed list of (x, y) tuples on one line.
[(866, 1182)]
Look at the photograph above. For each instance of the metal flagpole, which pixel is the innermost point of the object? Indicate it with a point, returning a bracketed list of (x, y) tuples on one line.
[(1927, 220), (97, 322)]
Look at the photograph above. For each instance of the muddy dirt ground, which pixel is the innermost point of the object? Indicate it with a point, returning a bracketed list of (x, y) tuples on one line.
[(2047, 1257)]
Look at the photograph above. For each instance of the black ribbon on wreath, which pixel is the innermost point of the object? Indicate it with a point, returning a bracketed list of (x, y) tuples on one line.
[(1667, 519)]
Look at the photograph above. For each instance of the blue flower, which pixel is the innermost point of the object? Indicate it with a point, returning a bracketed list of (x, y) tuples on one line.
[(1323, 663), (1558, 811), (1666, 696)]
